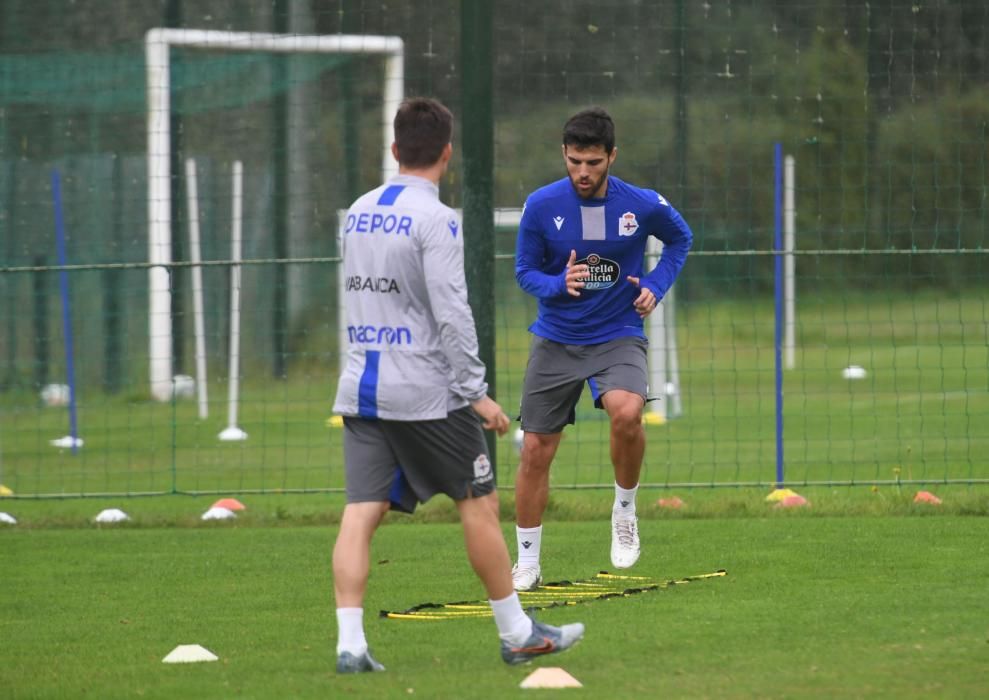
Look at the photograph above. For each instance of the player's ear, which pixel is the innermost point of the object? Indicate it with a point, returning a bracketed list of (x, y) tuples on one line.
[(394, 151), (563, 150), (612, 155)]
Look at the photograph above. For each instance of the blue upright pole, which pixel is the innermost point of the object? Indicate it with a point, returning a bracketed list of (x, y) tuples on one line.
[(778, 276), (63, 278)]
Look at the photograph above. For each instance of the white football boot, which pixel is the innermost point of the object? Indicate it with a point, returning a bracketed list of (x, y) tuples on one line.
[(624, 541), (526, 578)]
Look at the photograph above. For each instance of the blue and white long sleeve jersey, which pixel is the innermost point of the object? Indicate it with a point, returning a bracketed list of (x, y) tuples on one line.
[(412, 346), (609, 235)]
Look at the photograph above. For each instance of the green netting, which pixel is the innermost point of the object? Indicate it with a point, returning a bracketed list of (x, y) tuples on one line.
[(116, 82), (882, 105)]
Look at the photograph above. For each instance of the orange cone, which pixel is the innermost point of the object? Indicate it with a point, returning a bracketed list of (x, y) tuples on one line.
[(793, 501), (229, 504), (674, 502), (926, 497)]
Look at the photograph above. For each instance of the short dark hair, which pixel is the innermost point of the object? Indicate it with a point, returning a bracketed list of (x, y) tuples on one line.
[(423, 127), (590, 127)]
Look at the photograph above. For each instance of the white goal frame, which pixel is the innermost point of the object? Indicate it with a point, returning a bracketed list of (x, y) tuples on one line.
[(157, 45)]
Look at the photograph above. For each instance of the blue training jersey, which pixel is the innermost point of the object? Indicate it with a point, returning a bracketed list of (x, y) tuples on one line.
[(609, 235)]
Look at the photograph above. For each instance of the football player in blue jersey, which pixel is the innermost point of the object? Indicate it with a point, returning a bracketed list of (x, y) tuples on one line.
[(413, 394), (580, 252)]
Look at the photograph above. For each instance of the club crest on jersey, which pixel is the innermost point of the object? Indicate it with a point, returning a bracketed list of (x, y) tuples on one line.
[(627, 225), (601, 272), (482, 469)]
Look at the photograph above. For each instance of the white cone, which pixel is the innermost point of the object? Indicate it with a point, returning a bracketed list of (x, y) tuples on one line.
[(217, 513), (232, 434), (111, 515), (188, 654), (551, 677)]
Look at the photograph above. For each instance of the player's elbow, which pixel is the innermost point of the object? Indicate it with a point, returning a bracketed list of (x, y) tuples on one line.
[(523, 279), (687, 235)]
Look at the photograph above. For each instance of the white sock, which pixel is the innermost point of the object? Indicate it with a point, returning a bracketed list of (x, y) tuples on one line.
[(624, 501), (514, 626), (350, 628), (529, 541)]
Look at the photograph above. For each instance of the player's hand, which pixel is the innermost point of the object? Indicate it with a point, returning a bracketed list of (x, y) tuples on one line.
[(490, 412), (646, 302), (576, 274)]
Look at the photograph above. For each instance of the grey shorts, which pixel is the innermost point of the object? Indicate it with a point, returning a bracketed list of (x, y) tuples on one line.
[(555, 376), (408, 462)]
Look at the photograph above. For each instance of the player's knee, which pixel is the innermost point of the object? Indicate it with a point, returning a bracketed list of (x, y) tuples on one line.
[(538, 448), (627, 418), (365, 514)]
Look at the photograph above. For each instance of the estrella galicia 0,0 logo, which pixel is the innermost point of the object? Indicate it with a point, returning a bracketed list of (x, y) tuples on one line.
[(602, 273)]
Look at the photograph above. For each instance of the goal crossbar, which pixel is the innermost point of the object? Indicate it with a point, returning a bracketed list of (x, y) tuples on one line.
[(158, 44)]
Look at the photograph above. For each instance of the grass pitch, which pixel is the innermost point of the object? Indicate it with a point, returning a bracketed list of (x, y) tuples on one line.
[(864, 594), (813, 606)]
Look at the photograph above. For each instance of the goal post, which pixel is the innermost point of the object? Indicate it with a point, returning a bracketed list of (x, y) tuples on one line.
[(664, 363), (158, 44)]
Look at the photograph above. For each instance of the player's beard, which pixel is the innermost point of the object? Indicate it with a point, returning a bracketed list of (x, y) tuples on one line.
[(595, 185)]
